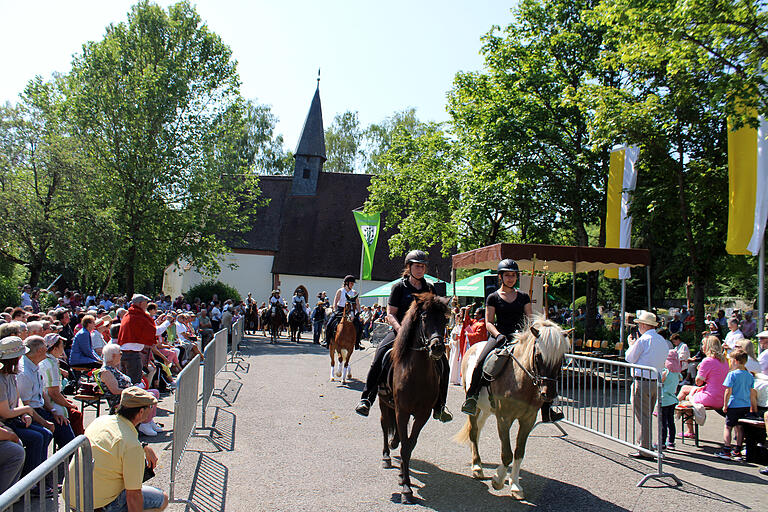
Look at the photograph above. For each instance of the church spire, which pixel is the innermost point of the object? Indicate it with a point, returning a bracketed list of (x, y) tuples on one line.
[(310, 152)]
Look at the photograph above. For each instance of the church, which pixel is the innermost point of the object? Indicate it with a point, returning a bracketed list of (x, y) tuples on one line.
[(306, 233)]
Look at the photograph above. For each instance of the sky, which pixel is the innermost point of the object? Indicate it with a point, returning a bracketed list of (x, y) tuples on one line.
[(375, 57)]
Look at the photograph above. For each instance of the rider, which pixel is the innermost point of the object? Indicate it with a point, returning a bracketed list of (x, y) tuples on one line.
[(400, 299), (277, 304), (506, 312), (346, 293), (300, 305)]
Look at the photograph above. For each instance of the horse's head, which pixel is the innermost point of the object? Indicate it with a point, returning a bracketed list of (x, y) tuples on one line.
[(433, 312), (349, 312), (550, 344)]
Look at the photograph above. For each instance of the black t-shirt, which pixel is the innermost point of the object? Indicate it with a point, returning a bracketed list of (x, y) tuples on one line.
[(510, 316), (401, 295)]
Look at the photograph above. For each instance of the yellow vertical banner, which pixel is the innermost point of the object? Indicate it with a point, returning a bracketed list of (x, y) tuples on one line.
[(742, 179), (613, 207)]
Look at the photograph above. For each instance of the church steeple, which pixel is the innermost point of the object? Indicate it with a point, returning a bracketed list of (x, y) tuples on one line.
[(310, 152)]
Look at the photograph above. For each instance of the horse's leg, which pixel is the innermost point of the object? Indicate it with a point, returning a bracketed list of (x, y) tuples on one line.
[(340, 358), (405, 454), (525, 427), (333, 362), (387, 425), (476, 423), (504, 423)]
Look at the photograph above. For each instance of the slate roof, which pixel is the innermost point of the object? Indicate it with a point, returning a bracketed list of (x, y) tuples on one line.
[(312, 140), (317, 235)]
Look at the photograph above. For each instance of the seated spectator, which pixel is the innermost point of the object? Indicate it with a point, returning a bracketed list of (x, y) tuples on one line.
[(746, 345), (675, 326), (33, 431), (748, 326), (30, 388), (709, 390), (734, 334), (114, 382), (683, 352), (205, 326), (100, 334), (50, 372), (82, 354), (11, 458), (119, 458), (762, 359)]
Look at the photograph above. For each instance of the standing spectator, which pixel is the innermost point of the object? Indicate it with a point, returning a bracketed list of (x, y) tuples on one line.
[(737, 401), (748, 326), (473, 329), (82, 353), (31, 393), (26, 299), (137, 333), (215, 316), (33, 431), (676, 325), (670, 378), (67, 331), (734, 334), (650, 349), (683, 353), (205, 327), (721, 321), (119, 458), (318, 320), (762, 358), (11, 458), (51, 376)]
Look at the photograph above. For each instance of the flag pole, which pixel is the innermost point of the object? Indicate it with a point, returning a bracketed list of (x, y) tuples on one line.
[(362, 258), (761, 288)]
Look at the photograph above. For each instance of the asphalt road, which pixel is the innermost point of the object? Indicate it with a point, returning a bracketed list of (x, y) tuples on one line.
[(292, 442)]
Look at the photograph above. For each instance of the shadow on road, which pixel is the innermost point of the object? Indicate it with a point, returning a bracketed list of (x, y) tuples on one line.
[(451, 492), (209, 485)]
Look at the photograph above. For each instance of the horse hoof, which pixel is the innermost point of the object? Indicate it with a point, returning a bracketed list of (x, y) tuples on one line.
[(386, 463), (498, 485), (517, 494), (406, 497), (478, 474)]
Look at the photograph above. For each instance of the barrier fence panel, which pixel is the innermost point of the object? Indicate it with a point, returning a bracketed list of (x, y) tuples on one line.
[(55, 469), (215, 359), (184, 418), (238, 332), (601, 397)]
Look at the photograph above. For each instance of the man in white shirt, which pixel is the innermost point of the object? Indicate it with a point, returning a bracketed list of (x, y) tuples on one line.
[(762, 341), (650, 349), (734, 334), (26, 300)]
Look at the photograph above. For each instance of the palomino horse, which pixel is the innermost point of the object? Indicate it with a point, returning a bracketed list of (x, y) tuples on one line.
[(413, 383), (343, 344), (528, 380)]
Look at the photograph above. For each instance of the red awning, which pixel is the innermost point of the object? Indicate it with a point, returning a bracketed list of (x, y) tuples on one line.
[(553, 258)]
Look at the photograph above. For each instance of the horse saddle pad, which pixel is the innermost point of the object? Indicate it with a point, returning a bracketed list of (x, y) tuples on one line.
[(385, 377), (496, 361)]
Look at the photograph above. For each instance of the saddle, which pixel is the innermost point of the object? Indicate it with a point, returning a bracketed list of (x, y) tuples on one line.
[(385, 377), (497, 360)]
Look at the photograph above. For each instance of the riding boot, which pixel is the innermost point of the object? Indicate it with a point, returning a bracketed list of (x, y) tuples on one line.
[(441, 413), (548, 415)]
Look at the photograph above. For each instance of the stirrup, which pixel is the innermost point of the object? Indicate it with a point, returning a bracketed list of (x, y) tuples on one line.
[(470, 405), (442, 414), (553, 416), (364, 407)]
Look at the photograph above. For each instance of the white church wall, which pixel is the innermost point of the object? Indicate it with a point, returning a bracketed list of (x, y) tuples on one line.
[(315, 285)]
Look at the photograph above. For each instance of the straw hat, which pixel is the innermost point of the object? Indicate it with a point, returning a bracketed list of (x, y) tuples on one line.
[(12, 347), (647, 318)]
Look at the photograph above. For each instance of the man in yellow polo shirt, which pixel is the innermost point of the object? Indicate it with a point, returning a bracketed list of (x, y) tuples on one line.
[(119, 458)]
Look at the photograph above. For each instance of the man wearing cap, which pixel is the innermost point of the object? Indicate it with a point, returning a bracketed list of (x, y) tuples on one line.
[(762, 358), (119, 458), (138, 333), (30, 387), (650, 349)]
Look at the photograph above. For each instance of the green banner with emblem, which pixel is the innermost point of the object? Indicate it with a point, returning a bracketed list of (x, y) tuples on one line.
[(368, 227)]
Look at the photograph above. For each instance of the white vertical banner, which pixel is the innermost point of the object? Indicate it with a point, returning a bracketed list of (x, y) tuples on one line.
[(628, 185)]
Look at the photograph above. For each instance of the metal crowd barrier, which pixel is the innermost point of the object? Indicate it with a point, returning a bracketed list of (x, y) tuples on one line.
[(79, 449), (238, 332), (596, 396), (215, 359), (184, 419)]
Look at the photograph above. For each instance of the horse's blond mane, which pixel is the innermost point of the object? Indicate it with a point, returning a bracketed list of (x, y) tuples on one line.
[(552, 343)]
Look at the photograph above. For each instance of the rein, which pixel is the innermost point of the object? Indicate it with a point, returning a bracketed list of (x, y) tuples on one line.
[(538, 380), (423, 340)]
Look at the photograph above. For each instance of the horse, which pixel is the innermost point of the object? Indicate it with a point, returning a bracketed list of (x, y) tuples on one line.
[(528, 380), (264, 320), (276, 322), (295, 323), (251, 318), (412, 384), (343, 344)]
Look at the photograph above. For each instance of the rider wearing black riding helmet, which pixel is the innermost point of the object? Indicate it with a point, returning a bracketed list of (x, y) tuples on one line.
[(346, 293), (400, 299), (506, 312)]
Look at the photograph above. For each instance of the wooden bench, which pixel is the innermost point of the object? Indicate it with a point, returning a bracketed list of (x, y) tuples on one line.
[(686, 413), (754, 440)]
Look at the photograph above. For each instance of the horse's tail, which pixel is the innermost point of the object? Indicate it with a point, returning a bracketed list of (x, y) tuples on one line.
[(462, 436)]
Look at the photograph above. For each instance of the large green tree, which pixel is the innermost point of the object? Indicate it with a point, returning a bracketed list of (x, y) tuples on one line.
[(156, 104)]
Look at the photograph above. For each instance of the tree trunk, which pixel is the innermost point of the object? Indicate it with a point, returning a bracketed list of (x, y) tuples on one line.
[(698, 306), (35, 269), (130, 271)]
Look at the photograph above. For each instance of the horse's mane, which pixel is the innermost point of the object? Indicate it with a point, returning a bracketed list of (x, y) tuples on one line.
[(429, 303), (553, 344)]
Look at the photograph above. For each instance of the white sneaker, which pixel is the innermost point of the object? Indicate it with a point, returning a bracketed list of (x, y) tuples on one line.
[(155, 426), (147, 430)]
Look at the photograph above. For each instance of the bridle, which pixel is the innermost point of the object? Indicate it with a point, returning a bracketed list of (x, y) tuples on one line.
[(536, 377), (424, 342)]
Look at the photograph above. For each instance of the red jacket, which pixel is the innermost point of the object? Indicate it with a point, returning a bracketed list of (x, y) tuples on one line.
[(475, 331), (137, 327)]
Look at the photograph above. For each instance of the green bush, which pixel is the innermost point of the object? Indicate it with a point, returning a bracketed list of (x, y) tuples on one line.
[(581, 302), (47, 301), (207, 289), (9, 293)]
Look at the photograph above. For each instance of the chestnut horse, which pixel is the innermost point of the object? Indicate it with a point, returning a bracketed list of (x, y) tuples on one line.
[(343, 344), (412, 385), (528, 380)]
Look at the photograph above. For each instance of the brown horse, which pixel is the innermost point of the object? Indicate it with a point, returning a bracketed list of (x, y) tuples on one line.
[(343, 344), (276, 322), (528, 380), (413, 383)]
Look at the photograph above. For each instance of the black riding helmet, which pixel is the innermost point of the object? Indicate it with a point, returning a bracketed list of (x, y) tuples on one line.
[(507, 265), (416, 256), (350, 279)]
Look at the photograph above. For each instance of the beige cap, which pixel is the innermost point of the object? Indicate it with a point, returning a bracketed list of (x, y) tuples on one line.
[(134, 396), (763, 334)]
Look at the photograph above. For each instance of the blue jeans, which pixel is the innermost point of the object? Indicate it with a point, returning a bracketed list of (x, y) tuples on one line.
[(62, 434), (317, 330), (153, 498), (11, 463), (35, 439)]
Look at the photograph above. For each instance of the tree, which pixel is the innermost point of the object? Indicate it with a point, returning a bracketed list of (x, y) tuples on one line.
[(261, 147), (344, 143), (157, 107), (378, 137)]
